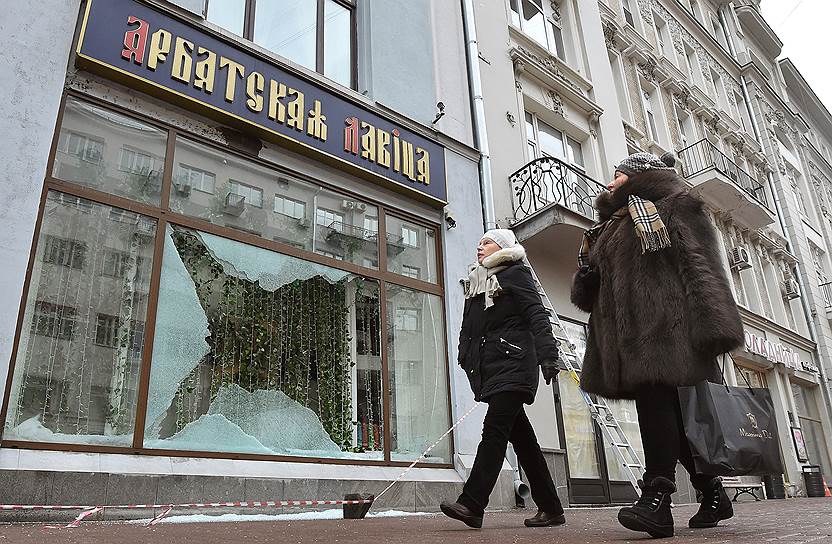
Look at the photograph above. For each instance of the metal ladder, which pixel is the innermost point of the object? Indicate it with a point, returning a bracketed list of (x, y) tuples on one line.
[(600, 410)]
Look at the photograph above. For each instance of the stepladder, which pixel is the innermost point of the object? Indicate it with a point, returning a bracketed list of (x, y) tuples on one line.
[(599, 408)]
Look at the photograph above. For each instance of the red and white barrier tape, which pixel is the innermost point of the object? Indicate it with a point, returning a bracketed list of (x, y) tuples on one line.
[(88, 510)]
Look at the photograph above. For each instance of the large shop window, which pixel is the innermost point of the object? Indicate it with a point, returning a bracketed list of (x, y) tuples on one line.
[(317, 34), (254, 351)]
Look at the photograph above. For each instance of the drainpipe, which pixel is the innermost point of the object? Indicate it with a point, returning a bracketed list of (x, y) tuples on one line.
[(472, 56)]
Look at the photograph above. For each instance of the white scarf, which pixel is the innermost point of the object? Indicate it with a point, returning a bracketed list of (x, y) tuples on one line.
[(482, 278)]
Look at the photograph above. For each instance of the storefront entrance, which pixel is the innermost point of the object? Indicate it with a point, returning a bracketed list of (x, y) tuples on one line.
[(595, 476)]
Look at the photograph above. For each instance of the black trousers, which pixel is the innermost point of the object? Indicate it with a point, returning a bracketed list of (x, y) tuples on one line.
[(505, 422), (663, 435)]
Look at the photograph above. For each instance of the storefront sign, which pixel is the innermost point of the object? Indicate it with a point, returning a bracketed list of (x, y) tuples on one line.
[(774, 352), (143, 47)]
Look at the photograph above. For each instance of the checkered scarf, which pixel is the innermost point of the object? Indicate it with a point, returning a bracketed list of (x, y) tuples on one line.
[(649, 226)]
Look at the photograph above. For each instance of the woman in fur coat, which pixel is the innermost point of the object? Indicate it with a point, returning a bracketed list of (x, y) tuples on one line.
[(505, 337), (661, 313)]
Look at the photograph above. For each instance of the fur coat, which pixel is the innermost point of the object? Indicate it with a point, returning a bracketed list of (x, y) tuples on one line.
[(501, 348), (656, 318)]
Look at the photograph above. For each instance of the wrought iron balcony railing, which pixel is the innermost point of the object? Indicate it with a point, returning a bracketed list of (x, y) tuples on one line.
[(548, 181), (826, 289), (703, 154)]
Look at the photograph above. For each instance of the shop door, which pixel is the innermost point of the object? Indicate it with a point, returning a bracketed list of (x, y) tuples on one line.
[(593, 470)]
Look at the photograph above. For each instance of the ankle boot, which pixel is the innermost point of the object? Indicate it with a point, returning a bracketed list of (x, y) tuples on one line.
[(714, 507), (651, 514)]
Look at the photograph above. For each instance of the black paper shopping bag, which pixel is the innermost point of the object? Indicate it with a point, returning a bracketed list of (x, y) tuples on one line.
[(732, 431)]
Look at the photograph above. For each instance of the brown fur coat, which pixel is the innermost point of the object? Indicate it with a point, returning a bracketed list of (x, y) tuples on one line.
[(656, 318)]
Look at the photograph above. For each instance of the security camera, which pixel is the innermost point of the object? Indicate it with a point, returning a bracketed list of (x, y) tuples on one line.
[(450, 219)]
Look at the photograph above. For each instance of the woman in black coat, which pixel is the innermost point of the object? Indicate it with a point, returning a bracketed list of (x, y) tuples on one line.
[(661, 312), (505, 337)]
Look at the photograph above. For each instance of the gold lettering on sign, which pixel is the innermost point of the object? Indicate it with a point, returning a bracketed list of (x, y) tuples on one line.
[(235, 70), (422, 166), (254, 91), (383, 155), (407, 160), (206, 70), (397, 156), (296, 110), (277, 110), (182, 60), (368, 142), (316, 123), (159, 48), (351, 135)]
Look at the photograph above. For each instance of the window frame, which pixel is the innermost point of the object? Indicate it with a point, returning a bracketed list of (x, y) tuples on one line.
[(250, 10), (556, 42), (163, 215), (533, 142)]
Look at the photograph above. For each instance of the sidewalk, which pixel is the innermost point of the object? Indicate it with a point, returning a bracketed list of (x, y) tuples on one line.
[(795, 521)]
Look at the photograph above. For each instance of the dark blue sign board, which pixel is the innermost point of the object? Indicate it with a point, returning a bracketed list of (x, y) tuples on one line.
[(159, 53)]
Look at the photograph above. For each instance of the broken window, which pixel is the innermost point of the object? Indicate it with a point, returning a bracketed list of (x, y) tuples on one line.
[(258, 352)]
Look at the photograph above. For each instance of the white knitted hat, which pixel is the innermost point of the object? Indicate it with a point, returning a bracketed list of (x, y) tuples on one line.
[(504, 238)]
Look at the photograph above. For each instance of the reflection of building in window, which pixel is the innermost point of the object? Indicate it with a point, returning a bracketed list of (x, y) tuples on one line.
[(371, 225), (369, 263), (53, 320), (408, 319), (410, 236), (115, 264), (253, 195), (410, 271), (289, 207), (84, 147), (64, 252), (195, 178), (329, 218), (136, 161)]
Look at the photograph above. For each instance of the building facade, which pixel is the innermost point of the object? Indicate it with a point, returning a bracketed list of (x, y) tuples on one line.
[(573, 87), (229, 272)]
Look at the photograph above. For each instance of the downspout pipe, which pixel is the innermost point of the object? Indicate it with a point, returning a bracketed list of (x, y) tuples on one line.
[(472, 56)]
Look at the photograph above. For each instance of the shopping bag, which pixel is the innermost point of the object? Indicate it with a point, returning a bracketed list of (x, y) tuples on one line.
[(732, 431)]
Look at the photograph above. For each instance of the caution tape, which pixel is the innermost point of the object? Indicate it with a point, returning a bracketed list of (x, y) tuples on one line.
[(88, 510)]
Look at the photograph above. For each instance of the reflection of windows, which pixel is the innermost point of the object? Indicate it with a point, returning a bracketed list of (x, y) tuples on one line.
[(135, 161), (754, 378), (410, 236), (329, 218), (408, 319), (198, 179), (530, 17), (64, 252), (315, 34), (84, 147), (545, 140), (253, 195), (371, 224), (53, 320), (106, 330), (115, 263), (410, 271), (290, 207), (369, 263)]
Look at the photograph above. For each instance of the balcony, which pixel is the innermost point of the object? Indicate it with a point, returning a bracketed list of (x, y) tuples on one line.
[(549, 192), (826, 291), (725, 186), (353, 238)]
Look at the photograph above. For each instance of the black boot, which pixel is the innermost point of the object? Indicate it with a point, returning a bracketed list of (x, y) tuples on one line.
[(714, 507), (651, 514)]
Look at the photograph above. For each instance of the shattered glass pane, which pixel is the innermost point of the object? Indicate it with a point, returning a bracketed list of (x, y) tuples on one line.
[(258, 352), (77, 367)]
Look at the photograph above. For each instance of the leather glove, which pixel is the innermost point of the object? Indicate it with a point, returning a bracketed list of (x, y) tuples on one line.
[(550, 369)]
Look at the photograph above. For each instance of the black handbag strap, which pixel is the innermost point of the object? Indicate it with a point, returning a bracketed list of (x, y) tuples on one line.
[(737, 370)]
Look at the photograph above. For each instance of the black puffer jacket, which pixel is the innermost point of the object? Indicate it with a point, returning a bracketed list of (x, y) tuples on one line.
[(501, 348)]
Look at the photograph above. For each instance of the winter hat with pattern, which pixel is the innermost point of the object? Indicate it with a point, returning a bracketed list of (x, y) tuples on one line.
[(502, 237), (639, 162)]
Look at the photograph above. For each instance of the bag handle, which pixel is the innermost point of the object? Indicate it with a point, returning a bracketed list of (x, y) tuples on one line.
[(736, 368)]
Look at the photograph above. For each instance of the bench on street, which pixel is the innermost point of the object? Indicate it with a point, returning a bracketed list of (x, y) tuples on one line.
[(743, 485)]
